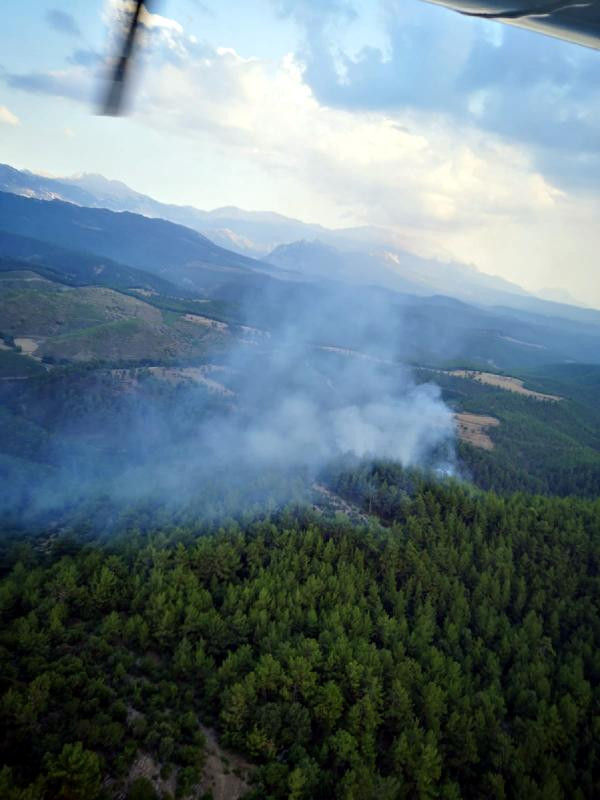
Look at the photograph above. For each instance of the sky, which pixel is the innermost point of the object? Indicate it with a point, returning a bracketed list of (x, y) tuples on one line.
[(472, 140)]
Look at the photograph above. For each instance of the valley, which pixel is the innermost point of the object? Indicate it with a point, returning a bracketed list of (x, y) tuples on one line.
[(54, 320)]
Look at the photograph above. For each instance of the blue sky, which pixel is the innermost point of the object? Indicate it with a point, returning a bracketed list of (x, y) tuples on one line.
[(471, 140)]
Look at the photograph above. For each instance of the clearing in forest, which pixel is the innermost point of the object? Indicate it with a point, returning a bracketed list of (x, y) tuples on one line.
[(501, 382), (472, 428), (225, 774)]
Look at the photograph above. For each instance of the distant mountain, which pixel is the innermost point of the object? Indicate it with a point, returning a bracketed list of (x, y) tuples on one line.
[(175, 253), (378, 249), (251, 233), (394, 269), (560, 296), (319, 260), (406, 272), (258, 234), (41, 187), (330, 313)]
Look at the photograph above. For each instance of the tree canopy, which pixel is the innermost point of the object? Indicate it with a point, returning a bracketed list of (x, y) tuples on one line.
[(452, 651)]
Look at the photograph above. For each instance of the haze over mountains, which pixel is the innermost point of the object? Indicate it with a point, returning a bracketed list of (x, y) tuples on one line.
[(331, 297), (370, 255), (177, 253)]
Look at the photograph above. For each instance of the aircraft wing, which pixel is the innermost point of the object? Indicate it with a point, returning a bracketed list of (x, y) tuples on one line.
[(575, 21)]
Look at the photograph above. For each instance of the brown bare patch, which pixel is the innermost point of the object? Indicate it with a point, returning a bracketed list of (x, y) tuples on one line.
[(198, 319), (225, 774), (28, 346), (502, 382), (471, 428)]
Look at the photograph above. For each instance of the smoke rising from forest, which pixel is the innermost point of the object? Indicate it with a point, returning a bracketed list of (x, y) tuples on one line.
[(324, 381)]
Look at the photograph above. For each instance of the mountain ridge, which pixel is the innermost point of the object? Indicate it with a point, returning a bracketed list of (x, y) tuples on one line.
[(251, 233), (256, 235), (172, 251)]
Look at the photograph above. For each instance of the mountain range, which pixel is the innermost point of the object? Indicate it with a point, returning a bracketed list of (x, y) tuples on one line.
[(113, 322), (183, 274), (178, 254), (364, 255)]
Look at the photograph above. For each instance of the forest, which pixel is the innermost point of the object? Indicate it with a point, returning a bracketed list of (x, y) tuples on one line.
[(448, 646), (540, 447)]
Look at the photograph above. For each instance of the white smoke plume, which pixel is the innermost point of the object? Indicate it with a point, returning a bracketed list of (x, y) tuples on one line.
[(326, 379)]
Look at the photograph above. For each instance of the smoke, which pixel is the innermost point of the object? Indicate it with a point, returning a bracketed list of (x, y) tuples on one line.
[(324, 380)]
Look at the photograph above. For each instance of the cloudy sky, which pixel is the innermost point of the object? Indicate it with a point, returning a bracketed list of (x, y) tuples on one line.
[(472, 140)]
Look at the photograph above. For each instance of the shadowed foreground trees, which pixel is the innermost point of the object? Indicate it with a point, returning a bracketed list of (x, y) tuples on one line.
[(453, 654)]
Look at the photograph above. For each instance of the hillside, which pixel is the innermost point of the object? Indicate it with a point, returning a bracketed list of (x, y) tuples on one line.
[(387, 323), (77, 360), (538, 443), (434, 330), (81, 325), (76, 268), (173, 252), (54, 322)]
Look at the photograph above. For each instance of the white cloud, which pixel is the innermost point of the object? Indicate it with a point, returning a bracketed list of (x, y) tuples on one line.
[(8, 117), (446, 188), (116, 8), (392, 168), (157, 21)]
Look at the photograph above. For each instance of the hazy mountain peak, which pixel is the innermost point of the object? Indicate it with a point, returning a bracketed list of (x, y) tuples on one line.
[(560, 296), (94, 182), (235, 213), (367, 254)]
